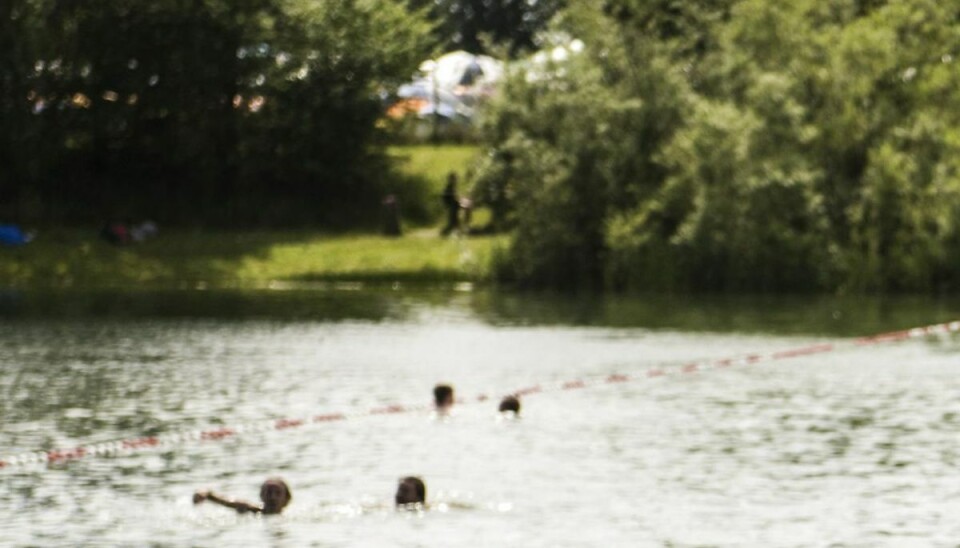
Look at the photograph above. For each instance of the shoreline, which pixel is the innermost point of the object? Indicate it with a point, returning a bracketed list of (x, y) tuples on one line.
[(246, 259)]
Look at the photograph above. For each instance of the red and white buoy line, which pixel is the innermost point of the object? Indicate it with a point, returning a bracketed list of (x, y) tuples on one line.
[(130, 445)]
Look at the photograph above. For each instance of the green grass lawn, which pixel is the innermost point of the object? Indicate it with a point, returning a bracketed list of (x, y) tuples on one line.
[(433, 163), (245, 259), (427, 167), (62, 257)]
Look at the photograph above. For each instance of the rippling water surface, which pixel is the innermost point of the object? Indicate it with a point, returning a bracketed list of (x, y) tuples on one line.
[(852, 448)]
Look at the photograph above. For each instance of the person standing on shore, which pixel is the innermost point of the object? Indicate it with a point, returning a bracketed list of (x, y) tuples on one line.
[(452, 204)]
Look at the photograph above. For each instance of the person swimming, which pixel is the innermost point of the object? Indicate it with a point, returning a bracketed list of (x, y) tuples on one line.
[(510, 403), (274, 493), (443, 397), (410, 490)]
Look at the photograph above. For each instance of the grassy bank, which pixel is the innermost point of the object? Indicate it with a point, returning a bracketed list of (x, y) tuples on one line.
[(79, 258), (433, 163), (423, 171)]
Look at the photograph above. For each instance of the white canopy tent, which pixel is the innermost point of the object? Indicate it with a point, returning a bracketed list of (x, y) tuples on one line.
[(452, 85)]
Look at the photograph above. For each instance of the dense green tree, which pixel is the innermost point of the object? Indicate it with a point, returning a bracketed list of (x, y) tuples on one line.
[(200, 110), (474, 25), (21, 25), (769, 146), (328, 66)]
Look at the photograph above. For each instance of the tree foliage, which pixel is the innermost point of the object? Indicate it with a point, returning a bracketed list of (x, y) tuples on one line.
[(475, 25), (767, 146), (200, 111)]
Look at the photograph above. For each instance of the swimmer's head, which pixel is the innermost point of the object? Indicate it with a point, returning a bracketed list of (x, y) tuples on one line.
[(275, 495), (411, 490), (510, 403), (443, 396)]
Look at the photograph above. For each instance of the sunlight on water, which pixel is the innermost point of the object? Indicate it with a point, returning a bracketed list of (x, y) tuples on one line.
[(852, 448)]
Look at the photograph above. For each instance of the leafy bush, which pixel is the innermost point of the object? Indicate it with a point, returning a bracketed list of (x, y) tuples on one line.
[(736, 145)]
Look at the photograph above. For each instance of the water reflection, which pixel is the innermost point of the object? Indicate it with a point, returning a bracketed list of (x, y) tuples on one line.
[(811, 315), (220, 304)]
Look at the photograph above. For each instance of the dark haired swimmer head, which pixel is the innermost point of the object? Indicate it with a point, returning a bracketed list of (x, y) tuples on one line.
[(274, 493), (443, 397), (510, 403), (411, 490)]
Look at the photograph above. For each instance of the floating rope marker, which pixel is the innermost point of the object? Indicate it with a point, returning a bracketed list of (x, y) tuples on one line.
[(119, 447)]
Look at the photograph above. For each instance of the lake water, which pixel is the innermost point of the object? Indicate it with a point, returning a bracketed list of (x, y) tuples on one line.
[(856, 447)]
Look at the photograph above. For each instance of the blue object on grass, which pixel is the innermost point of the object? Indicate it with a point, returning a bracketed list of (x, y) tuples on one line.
[(13, 235)]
